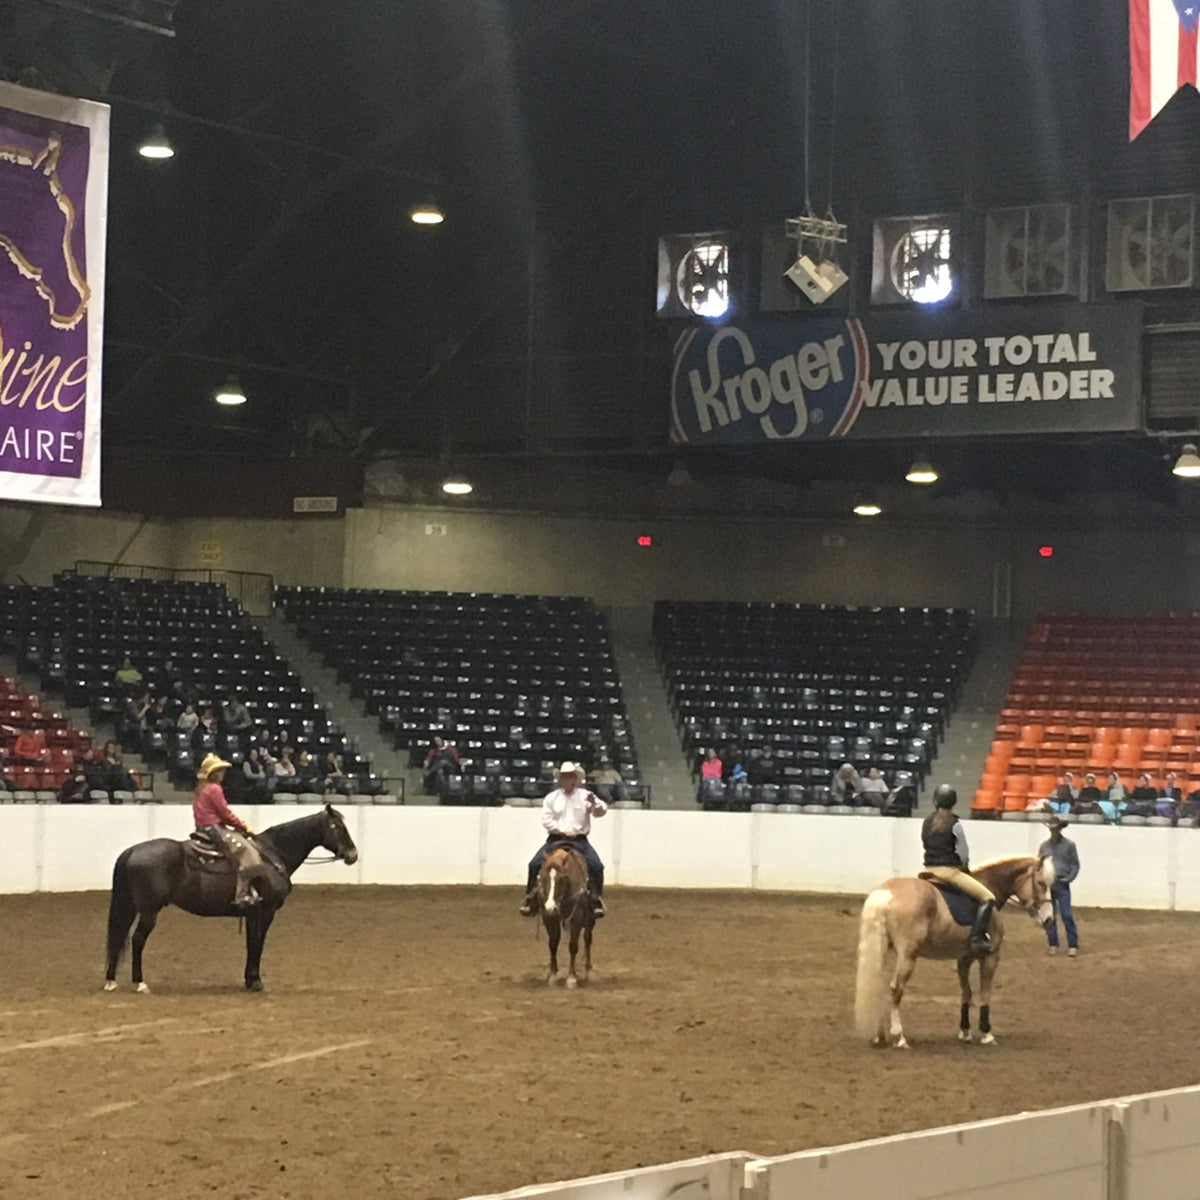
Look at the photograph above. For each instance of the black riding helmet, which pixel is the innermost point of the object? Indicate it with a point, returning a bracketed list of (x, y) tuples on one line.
[(944, 796)]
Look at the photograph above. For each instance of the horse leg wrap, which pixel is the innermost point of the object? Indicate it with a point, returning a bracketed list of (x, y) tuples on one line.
[(964, 1016), (985, 1018)]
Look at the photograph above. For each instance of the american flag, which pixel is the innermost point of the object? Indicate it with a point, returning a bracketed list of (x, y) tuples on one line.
[(1162, 55)]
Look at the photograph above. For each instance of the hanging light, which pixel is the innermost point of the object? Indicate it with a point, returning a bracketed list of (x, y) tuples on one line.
[(867, 508), (922, 471), (426, 214), (1187, 465), (230, 393), (156, 145), (456, 485)]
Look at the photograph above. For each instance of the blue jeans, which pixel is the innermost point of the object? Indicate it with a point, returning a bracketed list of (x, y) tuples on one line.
[(1060, 894), (583, 846)]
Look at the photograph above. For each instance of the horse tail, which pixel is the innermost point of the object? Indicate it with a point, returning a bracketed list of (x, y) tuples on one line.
[(870, 998), (121, 908), (551, 901)]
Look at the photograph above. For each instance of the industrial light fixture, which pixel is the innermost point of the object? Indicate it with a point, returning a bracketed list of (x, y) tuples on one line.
[(156, 145), (230, 393), (426, 214), (922, 472), (867, 508), (815, 272), (1187, 465), (456, 485)]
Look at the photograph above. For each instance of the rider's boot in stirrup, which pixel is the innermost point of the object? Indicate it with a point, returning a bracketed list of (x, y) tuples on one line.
[(245, 895), (530, 905), (981, 939), (598, 909)]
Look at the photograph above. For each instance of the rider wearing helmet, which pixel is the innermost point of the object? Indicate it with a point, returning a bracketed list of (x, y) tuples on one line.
[(947, 859)]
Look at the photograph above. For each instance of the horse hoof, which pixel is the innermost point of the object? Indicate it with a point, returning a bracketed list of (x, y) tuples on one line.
[(142, 989), (964, 1035), (988, 1039), (902, 1043), (572, 982), (879, 1040), (254, 985), (551, 980), (110, 985)]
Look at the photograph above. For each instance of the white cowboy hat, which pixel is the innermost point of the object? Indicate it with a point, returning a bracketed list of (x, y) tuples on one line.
[(570, 768)]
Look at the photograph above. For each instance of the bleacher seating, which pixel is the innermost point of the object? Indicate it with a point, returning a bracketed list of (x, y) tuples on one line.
[(1096, 692), (39, 747), (519, 683), (822, 685), (75, 634)]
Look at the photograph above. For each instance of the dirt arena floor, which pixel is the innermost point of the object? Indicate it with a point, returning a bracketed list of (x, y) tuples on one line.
[(407, 1046)]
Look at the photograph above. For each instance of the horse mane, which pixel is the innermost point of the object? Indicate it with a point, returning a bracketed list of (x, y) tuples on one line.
[(1023, 860)]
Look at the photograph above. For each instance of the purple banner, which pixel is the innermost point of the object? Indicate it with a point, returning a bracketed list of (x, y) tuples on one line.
[(53, 179)]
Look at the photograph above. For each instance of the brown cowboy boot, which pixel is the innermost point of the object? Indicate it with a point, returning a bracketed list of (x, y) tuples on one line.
[(245, 895)]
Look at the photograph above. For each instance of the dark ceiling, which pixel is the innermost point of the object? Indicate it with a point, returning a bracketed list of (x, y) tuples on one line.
[(561, 137)]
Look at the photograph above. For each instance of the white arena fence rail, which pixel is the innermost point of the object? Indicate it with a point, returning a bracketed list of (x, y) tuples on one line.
[(1144, 1147), (71, 848)]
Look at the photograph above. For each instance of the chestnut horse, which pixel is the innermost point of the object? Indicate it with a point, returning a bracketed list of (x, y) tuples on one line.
[(566, 901), (910, 917)]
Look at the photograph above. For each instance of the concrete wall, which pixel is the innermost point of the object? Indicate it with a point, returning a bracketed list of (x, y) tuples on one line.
[(71, 848)]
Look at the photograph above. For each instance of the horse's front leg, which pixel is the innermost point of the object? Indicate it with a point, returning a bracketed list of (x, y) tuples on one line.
[(587, 947), (572, 978), (145, 927), (987, 972), (964, 1012), (905, 965), (257, 923), (553, 936)]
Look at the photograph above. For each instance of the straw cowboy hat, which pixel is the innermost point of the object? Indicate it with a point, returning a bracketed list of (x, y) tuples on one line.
[(1056, 823), (211, 763), (570, 768)]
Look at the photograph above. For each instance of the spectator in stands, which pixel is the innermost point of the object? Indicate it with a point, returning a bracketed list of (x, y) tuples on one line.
[(1065, 793), (285, 771), (133, 716), (1190, 809), (236, 718), (169, 681), (1116, 800), (1170, 798), (116, 777), (6, 783), (764, 768), (442, 760), (1090, 797), (874, 789), (1143, 798), (846, 785), (737, 773), (128, 676), (188, 719), (255, 778), (336, 779), (1062, 852), (308, 774), (712, 767), (28, 747), (159, 718), (75, 788), (204, 736), (606, 779)]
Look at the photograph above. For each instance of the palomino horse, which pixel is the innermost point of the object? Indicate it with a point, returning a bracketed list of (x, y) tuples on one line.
[(149, 876), (910, 917), (565, 900)]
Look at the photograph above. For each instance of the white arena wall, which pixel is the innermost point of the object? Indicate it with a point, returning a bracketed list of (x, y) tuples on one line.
[(72, 848), (1144, 1147)]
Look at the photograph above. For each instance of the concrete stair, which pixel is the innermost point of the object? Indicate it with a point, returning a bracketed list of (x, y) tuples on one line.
[(973, 723), (660, 754), (343, 707)]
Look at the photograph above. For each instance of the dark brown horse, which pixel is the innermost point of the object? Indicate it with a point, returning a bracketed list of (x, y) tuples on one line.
[(149, 876), (565, 900), (910, 918)]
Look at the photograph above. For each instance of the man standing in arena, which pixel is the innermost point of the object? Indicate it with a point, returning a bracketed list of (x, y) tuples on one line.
[(567, 818), (1066, 866)]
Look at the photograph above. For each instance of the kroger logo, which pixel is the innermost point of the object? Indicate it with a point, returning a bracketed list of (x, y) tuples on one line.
[(730, 386)]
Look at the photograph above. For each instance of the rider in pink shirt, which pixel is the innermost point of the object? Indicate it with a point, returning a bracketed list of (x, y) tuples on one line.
[(224, 828)]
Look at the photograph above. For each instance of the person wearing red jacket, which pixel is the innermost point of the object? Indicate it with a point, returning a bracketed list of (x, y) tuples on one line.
[(225, 829)]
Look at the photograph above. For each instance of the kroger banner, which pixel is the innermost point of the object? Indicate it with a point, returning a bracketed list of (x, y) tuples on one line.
[(53, 192), (1054, 369)]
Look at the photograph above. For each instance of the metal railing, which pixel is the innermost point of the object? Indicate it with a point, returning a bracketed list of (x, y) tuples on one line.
[(253, 590)]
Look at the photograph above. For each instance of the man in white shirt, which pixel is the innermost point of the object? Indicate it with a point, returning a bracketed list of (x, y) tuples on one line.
[(567, 818)]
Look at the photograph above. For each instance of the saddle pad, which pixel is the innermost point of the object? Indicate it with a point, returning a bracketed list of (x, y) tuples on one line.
[(962, 907)]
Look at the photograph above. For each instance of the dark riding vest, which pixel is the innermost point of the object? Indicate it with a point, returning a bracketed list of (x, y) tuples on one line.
[(940, 850)]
